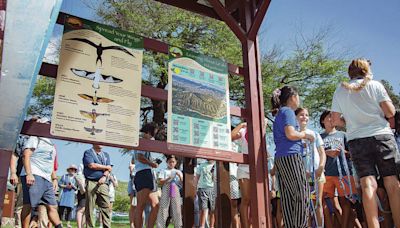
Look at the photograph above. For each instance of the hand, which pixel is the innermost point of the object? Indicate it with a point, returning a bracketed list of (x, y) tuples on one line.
[(243, 125), (108, 168), (272, 194), (154, 165), (319, 171), (14, 179), (69, 186), (308, 136), (55, 185), (332, 152), (102, 180), (30, 180)]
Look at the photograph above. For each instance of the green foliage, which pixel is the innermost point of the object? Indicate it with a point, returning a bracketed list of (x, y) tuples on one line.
[(42, 97), (395, 97), (122, 200), (174, 26)]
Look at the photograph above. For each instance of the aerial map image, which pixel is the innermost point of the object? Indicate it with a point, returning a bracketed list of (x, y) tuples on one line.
[(198, 100)]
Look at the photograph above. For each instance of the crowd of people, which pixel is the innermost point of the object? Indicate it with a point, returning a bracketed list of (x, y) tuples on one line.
[(44, 200), (345, 176)]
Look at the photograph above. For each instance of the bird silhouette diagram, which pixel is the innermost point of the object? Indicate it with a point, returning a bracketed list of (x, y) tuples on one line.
[(92, 115), (96, 77), (95, 99), (93, 130), (100, 49)]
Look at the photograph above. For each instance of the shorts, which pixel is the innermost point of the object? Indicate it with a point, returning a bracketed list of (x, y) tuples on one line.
[(206, 198), (332, 184), (242, 174), (41, 192), (131, 188), (81, 200), (274, 206), (380, 151), (145, 179)]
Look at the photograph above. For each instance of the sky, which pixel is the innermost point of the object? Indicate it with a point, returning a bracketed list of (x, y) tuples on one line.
[(361, 28)]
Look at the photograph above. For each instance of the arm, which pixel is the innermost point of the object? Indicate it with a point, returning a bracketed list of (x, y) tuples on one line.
[(54, 180), (337, 120), (114, 181), (144, 160), (388, 109), (30, 180), (235, 134), (96, 166), (294, 135), (13, 169), (322, 161)]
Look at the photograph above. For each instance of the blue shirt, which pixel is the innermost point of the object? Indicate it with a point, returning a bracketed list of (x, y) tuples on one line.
[(139, 166), (90, 156), (285, 146), (335, 140)]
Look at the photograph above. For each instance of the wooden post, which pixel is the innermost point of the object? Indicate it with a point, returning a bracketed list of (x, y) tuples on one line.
[(189, 192), (224, 218), (5, 157)]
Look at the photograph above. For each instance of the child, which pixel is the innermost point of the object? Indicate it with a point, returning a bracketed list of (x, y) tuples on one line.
[(315, 161), (169, 179), (288, 160), (206, 192), (67, 201)]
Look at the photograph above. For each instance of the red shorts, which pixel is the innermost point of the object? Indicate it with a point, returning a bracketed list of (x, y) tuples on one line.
[(332, 183)]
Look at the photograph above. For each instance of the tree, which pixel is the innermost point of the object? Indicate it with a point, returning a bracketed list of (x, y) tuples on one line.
[(395, 97), (42, 97), (174, 26)]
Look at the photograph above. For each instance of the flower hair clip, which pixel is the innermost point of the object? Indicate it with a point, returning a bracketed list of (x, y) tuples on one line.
[(277, 92)]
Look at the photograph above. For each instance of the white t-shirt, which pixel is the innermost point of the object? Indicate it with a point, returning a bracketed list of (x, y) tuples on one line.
[(361, 110), (42, 159), (318, 142), (245, 149), (165, 173)]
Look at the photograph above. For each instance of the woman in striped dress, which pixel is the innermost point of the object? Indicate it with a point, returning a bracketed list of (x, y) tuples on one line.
[(288, 157)]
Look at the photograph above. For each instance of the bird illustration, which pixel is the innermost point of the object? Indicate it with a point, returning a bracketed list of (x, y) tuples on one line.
[(93, 130), (100, 48), (96, 77), (92, 115), (95, 99)]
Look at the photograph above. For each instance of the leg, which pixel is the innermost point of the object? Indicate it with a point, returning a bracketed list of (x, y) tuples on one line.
[(163, 211), (369, 186), (26, 215), (346, 211), (142, 197), (392, 186), (53, 215), (327, 213), (103, 204), (153, 198), (79, 217), (43, 218), (131, 212), (90, 203), (319, 208), (235, 214), (176, 206), (279, 216), (212, 218), (203, 216), (245, 203)]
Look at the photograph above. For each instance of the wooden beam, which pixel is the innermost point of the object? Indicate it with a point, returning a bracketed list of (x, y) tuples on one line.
[(50, 70), (43, 130), (192, 6), (258, 19), (229, 20)]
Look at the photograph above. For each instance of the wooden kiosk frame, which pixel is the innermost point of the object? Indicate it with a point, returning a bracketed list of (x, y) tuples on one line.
[(244, 18)]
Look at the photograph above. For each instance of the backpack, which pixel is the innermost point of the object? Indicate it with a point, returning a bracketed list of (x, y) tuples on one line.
[(397, 122)]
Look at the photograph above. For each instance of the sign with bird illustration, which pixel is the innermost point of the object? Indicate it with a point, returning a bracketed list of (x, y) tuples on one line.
[(98, 87)]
